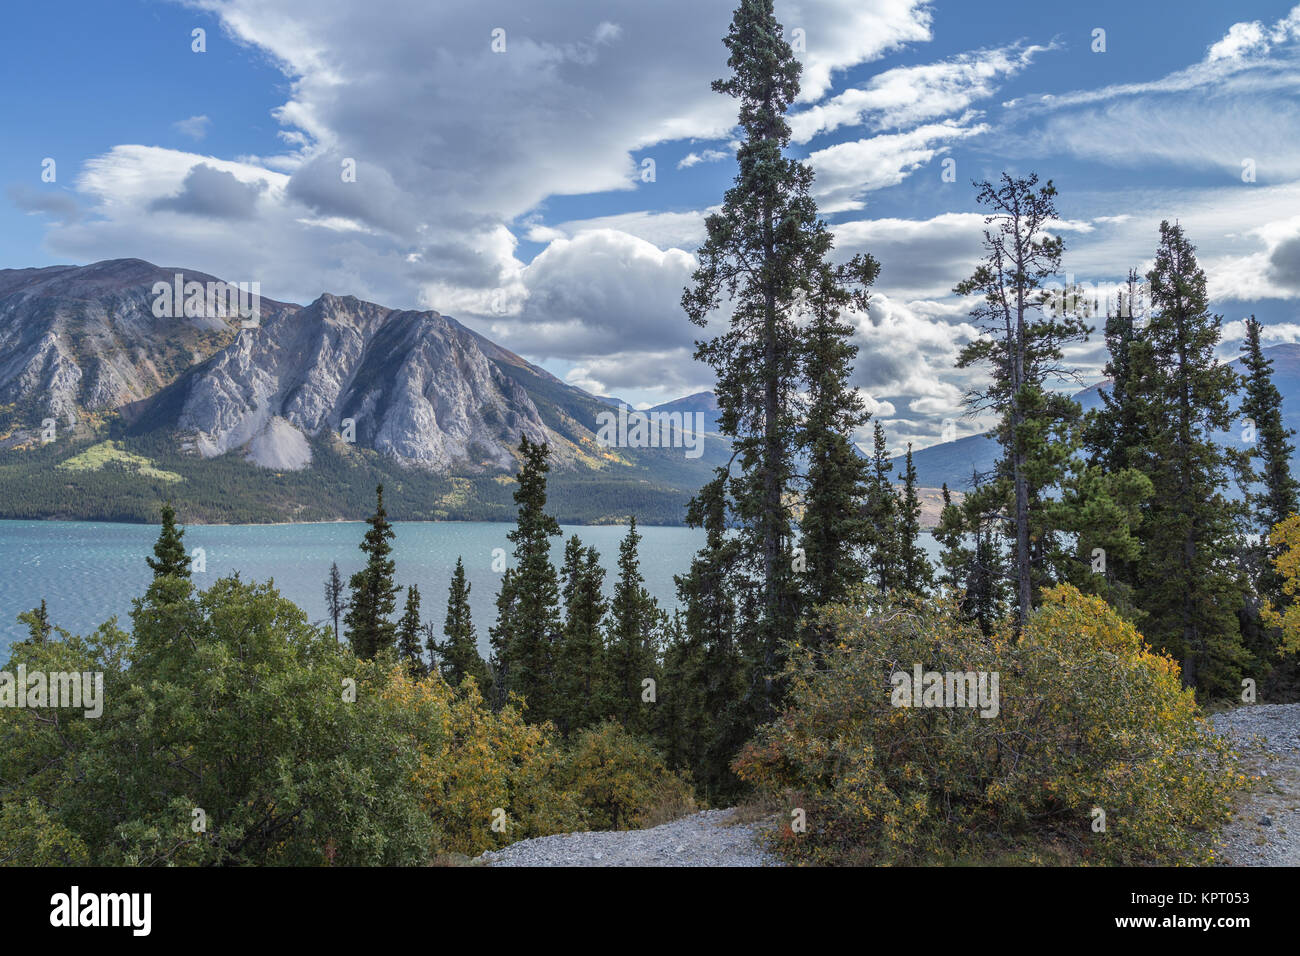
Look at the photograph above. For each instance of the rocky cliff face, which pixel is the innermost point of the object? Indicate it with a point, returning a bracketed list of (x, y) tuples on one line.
[(80, 343), (414, 385), (79, 340)]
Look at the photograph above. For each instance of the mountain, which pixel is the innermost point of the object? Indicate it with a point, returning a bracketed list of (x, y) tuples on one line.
[(75, 342), (703, 403), (299, 415), (953, 461)]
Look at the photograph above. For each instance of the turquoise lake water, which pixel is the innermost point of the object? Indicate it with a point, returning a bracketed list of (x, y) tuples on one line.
[(89, 571)]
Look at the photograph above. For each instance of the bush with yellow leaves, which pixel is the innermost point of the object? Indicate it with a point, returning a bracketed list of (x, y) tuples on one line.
[(1094, 753), (487, 778), (621, 780), (1285, 541)]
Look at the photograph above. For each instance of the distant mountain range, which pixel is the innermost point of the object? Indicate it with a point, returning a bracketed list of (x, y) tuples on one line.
[(952, 462), (299, 416), (109, 404)]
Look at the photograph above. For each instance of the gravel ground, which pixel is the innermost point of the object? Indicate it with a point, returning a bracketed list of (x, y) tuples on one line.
[(707, 838), (1265, 830)]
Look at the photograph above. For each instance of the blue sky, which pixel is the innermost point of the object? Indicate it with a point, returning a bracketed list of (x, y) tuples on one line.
[(505, 187)]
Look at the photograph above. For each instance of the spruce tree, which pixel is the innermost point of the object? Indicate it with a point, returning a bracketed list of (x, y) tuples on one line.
[(528, 617), (170, 557), (973, 560), (580, 669), (458, 655), (373, 593), (1270, 493), (764, 252), (954, 556), (836, 533), (915, 571), (680, 729), (1023, 349), (633, 637), (334, 602), (1187, 584), (1114, 436), (884, 558), (708, 657), (409, 651), (1261, 405)]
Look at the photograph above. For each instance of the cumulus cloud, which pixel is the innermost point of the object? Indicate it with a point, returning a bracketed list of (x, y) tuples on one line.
[(1252, 38), (919, 258), (212, 192), (602, 292)]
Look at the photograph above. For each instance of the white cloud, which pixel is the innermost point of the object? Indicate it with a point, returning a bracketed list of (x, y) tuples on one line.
[(847, 171), (706, 156), (196, 127), (1242, 39), (1252, 38), (910, 95)]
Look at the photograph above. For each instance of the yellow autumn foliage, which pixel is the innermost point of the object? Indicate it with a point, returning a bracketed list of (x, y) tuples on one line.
[(486, 778), (1286, 538)]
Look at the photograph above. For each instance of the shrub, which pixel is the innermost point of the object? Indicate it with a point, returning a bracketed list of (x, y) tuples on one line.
[(1088, 718), (477, 767), (228, 701), (622, 782)]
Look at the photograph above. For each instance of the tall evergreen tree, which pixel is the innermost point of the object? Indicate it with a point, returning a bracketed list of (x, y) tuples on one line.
[(711, 678), (633, 637), (681, 731), (170, 557), (373, 593), (1023, 348), (334, 601), (409, 651), (764, 251), (884, 558), (1114, 434), (1261, 405), (1270, 493), (973, 560), (954, 556), (916, 572), (528, 617), (581, 667), (458, 655), (836, 533), (1188, 585)]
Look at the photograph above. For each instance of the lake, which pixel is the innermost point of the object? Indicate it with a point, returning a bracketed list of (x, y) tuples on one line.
[(89, 571)]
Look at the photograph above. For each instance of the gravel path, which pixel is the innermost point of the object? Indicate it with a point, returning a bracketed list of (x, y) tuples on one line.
[(1265, 830), (707, 838)]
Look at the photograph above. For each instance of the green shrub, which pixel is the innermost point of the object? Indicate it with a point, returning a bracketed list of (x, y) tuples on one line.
[(228, 702), (1088, 719)]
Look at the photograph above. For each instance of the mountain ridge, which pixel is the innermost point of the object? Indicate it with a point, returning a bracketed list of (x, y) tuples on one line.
[(414, 394)]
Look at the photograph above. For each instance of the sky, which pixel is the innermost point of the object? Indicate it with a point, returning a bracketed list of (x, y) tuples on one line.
[(541, 171)]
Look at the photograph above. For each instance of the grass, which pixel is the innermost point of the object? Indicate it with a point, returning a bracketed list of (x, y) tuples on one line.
[(97, 456)]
